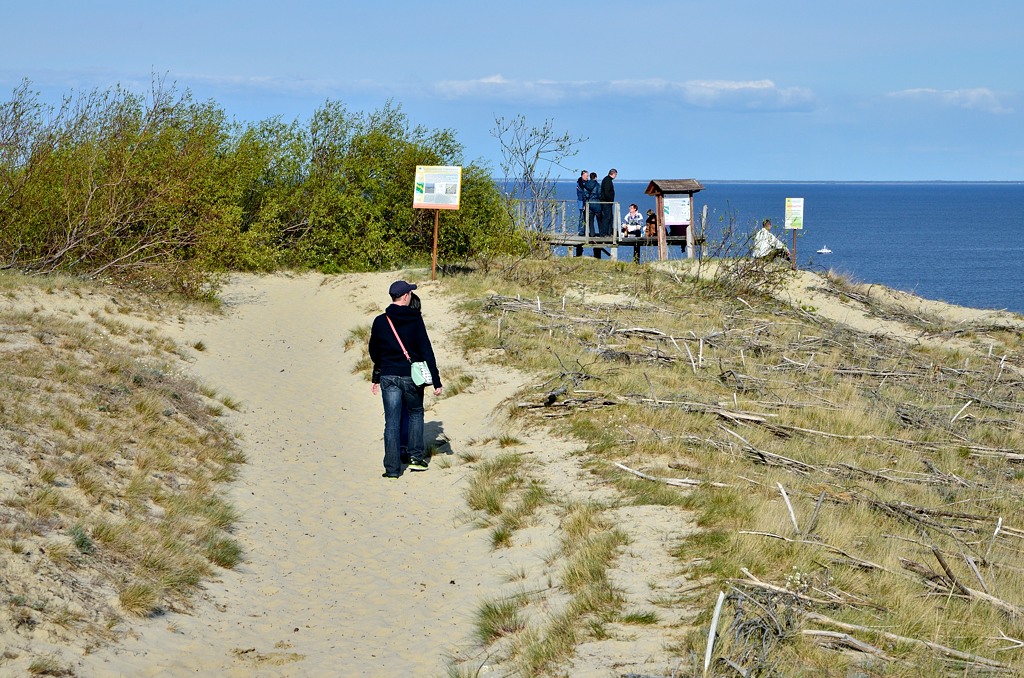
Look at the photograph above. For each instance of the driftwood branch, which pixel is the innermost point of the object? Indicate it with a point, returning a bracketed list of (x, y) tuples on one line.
[(792, 514), (860, 562), (676, 482), (753, 582), (942, 649), (1015, 644), (770, 458), (952, 582), (845, 640)]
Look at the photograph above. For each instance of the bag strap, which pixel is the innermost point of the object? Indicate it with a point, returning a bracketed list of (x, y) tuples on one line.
[(398, 337)]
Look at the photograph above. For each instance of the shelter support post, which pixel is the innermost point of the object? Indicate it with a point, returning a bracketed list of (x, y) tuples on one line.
[(659, 201)]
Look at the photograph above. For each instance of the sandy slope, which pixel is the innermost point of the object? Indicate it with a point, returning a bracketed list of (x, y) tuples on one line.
[(345, 573), (807, 290)]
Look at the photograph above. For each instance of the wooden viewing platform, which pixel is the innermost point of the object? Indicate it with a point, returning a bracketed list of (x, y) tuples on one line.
[(577, 243), (558, 222)]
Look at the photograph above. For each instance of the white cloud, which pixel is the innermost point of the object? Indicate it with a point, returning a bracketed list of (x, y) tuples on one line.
[(708, 94), (975, 99), (500, 88), (716, 95), (729, 94), (270, 84)]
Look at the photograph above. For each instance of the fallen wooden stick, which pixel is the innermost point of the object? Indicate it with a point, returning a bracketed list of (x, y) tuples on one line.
[(866, 564), (948, 651), (847, 640), (677, 482)]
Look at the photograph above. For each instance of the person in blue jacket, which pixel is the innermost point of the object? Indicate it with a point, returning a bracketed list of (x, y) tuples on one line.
[(594, 208), (581, 199), (398, 327)]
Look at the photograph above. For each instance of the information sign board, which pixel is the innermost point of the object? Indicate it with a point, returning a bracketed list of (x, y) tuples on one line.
[(794, 213), (676, 211), (437, 187)]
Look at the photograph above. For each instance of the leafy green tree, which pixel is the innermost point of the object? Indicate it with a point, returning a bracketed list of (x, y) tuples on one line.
[(163, 191), (359, 192), (266, 171), (117, 184)]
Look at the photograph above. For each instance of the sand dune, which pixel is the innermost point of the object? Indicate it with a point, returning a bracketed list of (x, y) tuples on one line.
[(344, 573)]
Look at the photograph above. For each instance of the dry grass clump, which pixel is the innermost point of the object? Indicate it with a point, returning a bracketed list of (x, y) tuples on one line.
[(504, 496), (110, 461), (49, 666), (847, 484), (588, 549), (499, 618), (532, 632)]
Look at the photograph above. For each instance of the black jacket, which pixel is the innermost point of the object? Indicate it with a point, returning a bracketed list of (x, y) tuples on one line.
[(385, 352), (607, 189)]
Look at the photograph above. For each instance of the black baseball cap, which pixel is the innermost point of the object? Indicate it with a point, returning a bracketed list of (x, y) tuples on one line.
[(400, 287)]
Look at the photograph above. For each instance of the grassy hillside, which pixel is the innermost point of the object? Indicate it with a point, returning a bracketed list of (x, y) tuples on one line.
[(859, 496), (110, 463)]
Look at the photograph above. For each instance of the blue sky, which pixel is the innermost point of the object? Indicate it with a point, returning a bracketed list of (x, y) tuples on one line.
[(730, 89)]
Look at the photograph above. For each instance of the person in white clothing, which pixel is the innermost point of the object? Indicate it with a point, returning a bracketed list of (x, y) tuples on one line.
[(766, 245), (633, 223)]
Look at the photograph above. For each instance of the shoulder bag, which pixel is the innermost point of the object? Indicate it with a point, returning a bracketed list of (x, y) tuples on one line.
[(418, 370)]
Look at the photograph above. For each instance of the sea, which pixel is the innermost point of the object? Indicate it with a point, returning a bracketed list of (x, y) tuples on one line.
[(962, 243)]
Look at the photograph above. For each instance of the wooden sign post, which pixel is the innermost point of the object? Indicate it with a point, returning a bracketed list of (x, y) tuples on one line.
[(794, 220), (438, 187)]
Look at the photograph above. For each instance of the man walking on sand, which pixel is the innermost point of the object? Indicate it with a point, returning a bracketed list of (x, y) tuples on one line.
[(398, 337)]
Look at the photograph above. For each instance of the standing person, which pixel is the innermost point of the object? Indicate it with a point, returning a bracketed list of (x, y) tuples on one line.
[(403, 437), (607, 198), (397, 327), (594, 207), (594, 203), (766, 245), (581, 203), (581, 200)]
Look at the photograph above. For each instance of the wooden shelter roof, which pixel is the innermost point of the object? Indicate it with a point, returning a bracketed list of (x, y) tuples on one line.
[(665, 186)]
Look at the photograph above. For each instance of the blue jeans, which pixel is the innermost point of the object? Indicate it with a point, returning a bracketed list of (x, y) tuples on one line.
[(396, 392), (595, 219), (403, 436)]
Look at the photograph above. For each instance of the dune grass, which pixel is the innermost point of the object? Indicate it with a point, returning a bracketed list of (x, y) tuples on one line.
[(111, 459), (843, 478), (845, 481)]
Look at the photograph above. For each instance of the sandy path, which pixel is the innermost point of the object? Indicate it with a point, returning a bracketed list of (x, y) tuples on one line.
[(345, 573)]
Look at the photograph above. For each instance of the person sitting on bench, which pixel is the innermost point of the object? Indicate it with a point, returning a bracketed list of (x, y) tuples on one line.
[(652, 225), (633, 223)]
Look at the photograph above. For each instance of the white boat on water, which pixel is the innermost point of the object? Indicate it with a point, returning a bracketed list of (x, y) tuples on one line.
[(824, 250)]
